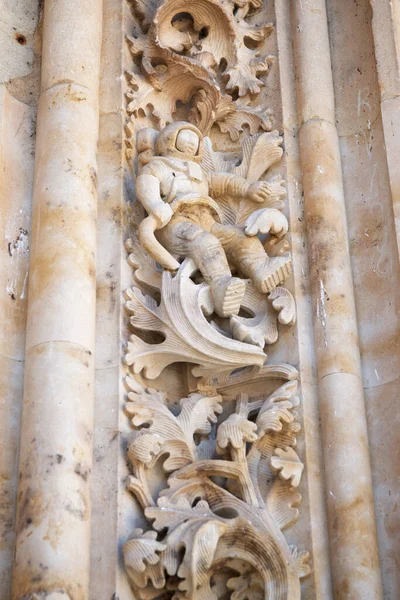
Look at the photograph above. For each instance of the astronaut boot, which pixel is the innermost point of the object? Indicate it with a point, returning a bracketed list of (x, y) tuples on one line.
[(227, 293), (268, 272)]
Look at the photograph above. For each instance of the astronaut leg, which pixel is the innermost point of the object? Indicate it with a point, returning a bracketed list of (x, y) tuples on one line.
[(248, 255), (187, 239)]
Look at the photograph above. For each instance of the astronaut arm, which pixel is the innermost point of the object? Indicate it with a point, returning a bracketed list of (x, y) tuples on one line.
[(148, 194), (227, 184), (148, 191)]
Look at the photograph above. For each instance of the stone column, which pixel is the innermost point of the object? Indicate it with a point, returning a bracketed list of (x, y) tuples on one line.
[(53, 513), (353, 541)]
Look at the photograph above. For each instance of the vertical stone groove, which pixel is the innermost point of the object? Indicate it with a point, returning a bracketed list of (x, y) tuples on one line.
[(386, 31)]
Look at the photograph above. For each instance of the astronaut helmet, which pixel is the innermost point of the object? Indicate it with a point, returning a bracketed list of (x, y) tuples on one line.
[(180, 140)]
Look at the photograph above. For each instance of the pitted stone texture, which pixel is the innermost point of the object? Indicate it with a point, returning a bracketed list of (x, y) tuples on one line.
[(55, 467)]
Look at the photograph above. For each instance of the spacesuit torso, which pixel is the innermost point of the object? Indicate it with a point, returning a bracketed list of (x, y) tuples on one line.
[(178, 179)]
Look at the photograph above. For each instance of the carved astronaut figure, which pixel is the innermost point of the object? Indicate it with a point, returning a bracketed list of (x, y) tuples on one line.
[(185, 221)]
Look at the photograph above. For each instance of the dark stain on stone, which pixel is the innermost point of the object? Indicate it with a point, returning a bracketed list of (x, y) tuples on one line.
[(82, 471), (20, 38), (93, 176)]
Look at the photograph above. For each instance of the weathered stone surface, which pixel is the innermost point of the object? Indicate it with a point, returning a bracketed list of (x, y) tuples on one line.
[(304, 91)]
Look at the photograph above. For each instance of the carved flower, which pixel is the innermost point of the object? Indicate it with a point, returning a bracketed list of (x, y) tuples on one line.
[(236, 431)]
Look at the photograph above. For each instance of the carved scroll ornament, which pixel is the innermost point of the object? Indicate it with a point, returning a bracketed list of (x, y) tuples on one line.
[(209, 263)]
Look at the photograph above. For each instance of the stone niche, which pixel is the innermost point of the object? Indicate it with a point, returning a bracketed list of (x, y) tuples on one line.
[(212, 396), (199, 351)]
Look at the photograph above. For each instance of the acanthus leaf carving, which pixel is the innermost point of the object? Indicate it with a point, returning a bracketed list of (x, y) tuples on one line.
[(201, 58), (166, 435), (195, 522), (301, 558), (142, 558), (288, 465), (209, 263), (188, 335), (230, 117)]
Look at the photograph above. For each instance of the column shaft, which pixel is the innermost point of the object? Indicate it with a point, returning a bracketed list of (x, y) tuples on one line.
[(52, 553), (353, 541)]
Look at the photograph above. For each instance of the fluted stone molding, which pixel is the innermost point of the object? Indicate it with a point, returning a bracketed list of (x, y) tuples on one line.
[(16, 144), (386, 31), (353, 541), (53, 521)]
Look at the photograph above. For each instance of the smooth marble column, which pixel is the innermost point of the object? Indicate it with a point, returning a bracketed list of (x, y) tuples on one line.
[(353, 541), (53, 513)]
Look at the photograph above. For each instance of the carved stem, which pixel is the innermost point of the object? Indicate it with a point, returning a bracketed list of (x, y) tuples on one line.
[(53, 521), (242, 404), (349, 488), (249, 493), (239, 455)]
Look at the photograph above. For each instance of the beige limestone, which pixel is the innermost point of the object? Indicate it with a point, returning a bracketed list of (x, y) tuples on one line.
[(383, 421), (53, 495), (64, 219), (335, 324), (72, 37), (187, 188), (204, 529), (386, 31), (17, 125), (385, 26), (391, 124), (61, 326), (356, 567), (53, 518), (373, 250), (107, 479), (18, 23), (18, 77), (314, 493), (11, 386), (172, 165), (16, 168)]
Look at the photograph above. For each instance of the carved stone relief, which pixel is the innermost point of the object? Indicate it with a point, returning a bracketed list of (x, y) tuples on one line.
[(209, 256)]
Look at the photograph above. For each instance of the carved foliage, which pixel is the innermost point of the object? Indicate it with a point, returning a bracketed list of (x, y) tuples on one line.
[(197, 525), (207, 56), (189, 337), (185, 314), (231, 472)]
